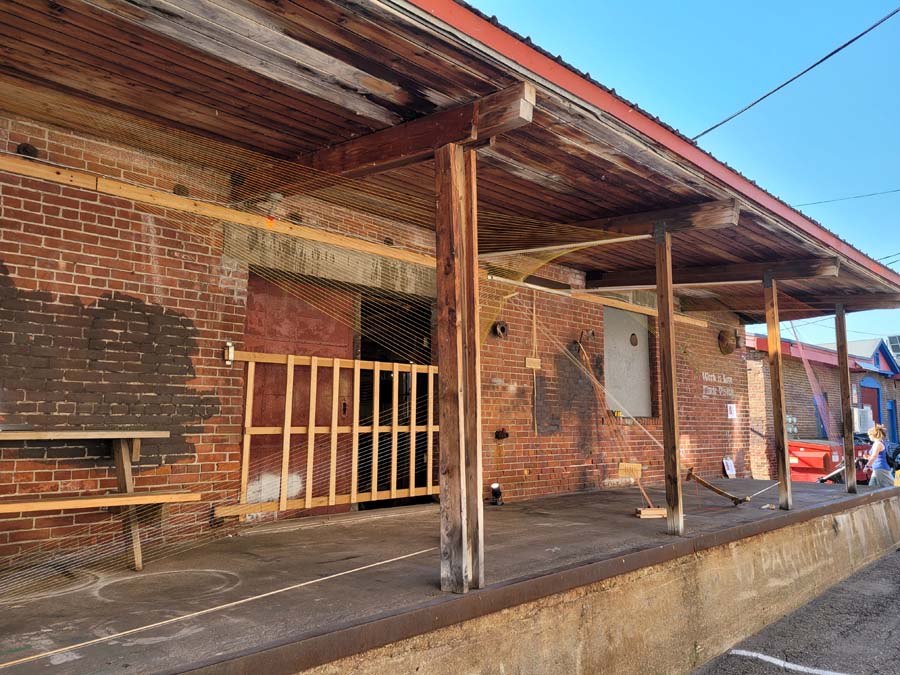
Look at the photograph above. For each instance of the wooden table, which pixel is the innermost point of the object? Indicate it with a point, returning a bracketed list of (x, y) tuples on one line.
[(126, 447)]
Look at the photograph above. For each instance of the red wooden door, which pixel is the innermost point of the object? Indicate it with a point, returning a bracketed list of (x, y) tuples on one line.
[(869, 397)]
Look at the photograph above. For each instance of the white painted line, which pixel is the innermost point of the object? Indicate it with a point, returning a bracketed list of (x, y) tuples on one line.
[(786, 665), (210, 610)]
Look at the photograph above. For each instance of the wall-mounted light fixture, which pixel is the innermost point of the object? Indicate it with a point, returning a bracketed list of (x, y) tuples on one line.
[(496, 495)]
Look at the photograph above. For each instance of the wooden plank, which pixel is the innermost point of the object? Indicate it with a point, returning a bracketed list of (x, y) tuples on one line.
[(248, 423), (354, 440), (376, 422), (243, 36), (97, 501), (300, 360), (412, 427), (706, 216), (271, 507), (35, 169), (776, 376), (311, 429), (395, 422), (798, 302), (417, 140), (123, 434), (429, 440), (125, 480), (840, 329), (458, 354), (286, 430), (549, 248), (710, 275), (668, 381), (335, 390)]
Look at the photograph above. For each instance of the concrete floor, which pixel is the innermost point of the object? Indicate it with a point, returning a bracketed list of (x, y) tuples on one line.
[(851, 628), (523, 539)]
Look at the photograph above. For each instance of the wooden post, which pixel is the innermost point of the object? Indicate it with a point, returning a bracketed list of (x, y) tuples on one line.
[(776, 375), (665, 307), (840, 329), (125, 480), (459, 386)]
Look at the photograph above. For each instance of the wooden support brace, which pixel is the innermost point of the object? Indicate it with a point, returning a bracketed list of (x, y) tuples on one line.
[(840, 329), (776, 375), (125, 480)]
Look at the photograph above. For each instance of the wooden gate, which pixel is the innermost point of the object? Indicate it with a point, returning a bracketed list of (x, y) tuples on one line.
[(373, 431)]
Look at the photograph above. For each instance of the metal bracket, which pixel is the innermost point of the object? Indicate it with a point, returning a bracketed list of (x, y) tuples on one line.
[(228, 353)]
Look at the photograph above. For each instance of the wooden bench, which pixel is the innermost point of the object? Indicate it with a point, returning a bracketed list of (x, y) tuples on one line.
[(126, 449)]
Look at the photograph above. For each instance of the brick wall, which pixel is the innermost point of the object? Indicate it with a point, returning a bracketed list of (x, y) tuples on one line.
[(114, 315)]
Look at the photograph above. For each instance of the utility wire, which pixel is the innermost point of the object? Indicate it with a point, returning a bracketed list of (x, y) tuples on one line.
[(798, 75), (844, 199)]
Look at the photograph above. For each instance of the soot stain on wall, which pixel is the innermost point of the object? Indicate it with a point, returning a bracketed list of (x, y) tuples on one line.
[(569, 393), (117, 363)]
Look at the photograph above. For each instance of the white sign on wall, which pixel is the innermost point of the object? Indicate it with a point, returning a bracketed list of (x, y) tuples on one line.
[(732, 411)]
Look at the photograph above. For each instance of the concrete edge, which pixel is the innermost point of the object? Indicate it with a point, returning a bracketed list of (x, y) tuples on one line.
[(310, 651)]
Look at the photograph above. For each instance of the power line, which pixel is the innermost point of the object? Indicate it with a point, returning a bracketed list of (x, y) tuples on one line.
[(798, 75), (844, 199)]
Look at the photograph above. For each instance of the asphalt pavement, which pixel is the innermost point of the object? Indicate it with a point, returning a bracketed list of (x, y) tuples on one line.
[(852, 629)]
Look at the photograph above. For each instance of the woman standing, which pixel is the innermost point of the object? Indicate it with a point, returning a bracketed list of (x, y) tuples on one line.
[(882, 474)]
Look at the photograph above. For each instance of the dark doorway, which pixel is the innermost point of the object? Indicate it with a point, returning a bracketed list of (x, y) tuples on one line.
[(394, 330)]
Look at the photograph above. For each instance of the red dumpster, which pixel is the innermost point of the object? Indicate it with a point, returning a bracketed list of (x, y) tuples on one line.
[(812, 459)]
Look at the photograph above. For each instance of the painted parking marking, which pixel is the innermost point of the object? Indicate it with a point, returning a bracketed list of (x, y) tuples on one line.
[(786, 665)]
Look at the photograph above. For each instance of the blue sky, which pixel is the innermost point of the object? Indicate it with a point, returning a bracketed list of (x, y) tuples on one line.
[(832, 133)]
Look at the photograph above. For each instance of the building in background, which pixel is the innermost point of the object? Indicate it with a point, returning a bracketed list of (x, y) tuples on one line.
[(812, 393)]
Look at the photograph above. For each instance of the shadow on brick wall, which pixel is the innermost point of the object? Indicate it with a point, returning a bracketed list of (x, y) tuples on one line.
[(116, 363)]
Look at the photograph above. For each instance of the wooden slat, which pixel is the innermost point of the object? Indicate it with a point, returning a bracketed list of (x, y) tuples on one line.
[(395, 422), (79, 435), (335, 390), (125, 480), (135, 444), (248, 424), (354, 440), (376, 422), (311, 429), (430, 428), (286, 430), (412, 427), (711, 215), (668, 381), (776, 376), (97, 501), (840, 329)]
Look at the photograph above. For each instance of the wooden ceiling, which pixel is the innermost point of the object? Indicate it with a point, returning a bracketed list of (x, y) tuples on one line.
[(286, 78)]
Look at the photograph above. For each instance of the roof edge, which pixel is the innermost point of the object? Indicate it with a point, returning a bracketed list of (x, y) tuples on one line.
[(471, 23)]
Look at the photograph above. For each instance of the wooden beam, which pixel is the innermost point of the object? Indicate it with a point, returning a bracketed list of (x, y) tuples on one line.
[(717, 274), (39, 170), (623, 229), (417, 140), (852, 303), (840, 329), (459, 391), (707, 216), (668, 381), (776, 376)]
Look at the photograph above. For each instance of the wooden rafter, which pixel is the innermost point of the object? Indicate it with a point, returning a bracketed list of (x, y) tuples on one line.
[(631, 227), (717, 274)]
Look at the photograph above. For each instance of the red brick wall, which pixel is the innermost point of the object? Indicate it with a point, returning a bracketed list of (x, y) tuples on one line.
[(114, 315)]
